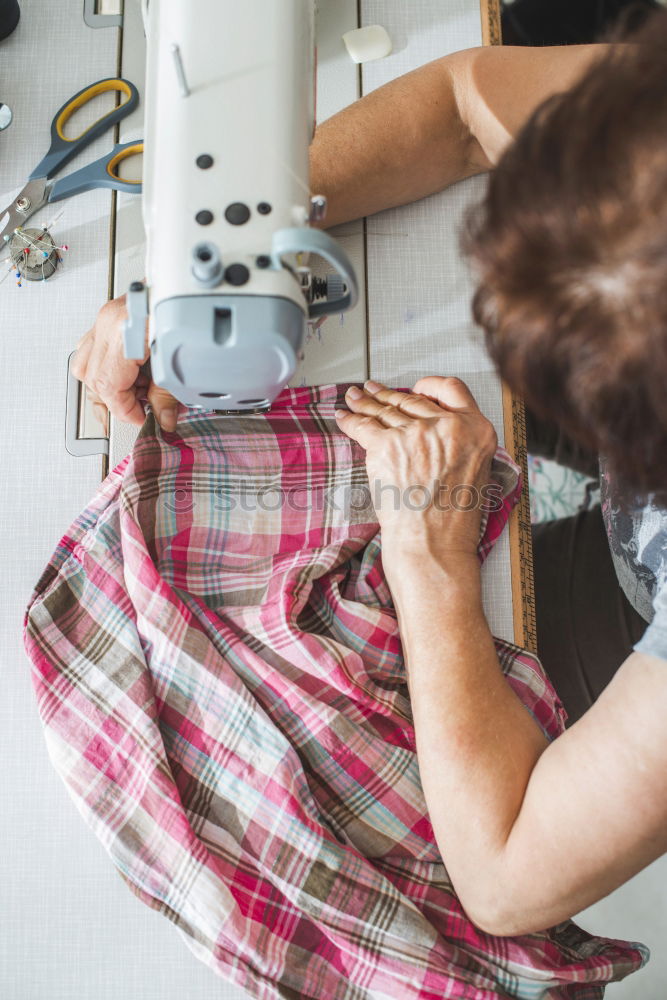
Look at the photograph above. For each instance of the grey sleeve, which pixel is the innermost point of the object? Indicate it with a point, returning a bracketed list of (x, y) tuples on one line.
[(654, 639)]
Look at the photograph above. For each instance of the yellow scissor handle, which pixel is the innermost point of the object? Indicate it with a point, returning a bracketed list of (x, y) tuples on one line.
[(132, 149), (63, 149), (88, 94), (102, 173)]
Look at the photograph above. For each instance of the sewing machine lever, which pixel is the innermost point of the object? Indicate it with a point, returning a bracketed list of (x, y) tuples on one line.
[(134, 330)]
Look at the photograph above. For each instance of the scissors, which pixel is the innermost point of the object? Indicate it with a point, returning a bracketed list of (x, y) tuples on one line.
[(39, 190)]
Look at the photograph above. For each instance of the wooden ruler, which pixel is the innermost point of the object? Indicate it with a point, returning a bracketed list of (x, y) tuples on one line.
[(491, 31), (521, 544), (514, 419)]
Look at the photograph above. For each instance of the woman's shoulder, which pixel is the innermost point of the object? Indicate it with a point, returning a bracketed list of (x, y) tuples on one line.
[(498, 87)]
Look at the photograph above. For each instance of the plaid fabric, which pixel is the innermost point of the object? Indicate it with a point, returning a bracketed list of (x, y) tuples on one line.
[(219, 676)]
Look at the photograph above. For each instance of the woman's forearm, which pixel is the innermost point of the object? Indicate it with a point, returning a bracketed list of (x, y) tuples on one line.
[(439, 124), (531, 833), (477, 745), (401, 142)]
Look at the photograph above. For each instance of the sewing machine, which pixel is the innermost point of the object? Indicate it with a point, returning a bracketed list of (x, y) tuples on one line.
[(229, 114)]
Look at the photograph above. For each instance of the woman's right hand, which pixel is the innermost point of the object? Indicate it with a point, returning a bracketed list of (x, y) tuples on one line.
[(100, 362)]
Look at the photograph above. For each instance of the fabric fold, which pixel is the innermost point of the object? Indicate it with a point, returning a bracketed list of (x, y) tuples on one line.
[(219, 675)]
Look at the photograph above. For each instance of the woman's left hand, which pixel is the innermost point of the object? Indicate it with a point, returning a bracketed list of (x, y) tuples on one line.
[(428, 456)]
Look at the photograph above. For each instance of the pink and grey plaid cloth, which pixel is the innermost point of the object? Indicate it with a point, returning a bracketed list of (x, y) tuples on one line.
[(219, 675)]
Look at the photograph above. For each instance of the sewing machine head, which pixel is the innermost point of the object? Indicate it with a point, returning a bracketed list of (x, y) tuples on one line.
[(227, 206)]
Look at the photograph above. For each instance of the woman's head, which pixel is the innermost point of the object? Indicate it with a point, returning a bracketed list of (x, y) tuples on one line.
[(571, 248)]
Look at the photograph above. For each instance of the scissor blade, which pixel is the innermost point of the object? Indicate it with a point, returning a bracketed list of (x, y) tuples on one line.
[(28, 201)]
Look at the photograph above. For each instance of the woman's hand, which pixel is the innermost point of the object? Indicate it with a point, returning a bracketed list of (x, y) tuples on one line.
[(428, 456), (100, 362)]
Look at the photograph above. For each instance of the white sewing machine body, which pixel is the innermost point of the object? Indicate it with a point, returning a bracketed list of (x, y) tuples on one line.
[(230, 115)]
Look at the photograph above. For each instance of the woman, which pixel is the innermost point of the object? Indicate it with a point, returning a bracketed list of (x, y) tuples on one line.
[(571, 245)]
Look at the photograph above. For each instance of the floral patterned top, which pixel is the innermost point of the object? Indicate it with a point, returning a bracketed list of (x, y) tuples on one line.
[(638, 542)]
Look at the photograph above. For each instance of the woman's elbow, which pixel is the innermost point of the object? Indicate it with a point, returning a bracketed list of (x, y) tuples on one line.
[(499, 925), (504, 917)]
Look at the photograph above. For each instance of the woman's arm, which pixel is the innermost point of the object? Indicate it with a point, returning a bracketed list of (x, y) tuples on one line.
[(531, 832), (437, 125)]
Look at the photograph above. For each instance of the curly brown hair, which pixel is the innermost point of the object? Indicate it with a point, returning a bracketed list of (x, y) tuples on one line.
[(571, 246)]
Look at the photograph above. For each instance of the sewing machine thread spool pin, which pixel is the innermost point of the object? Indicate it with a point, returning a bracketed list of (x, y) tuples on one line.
[(318, 208), (180, 70)]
